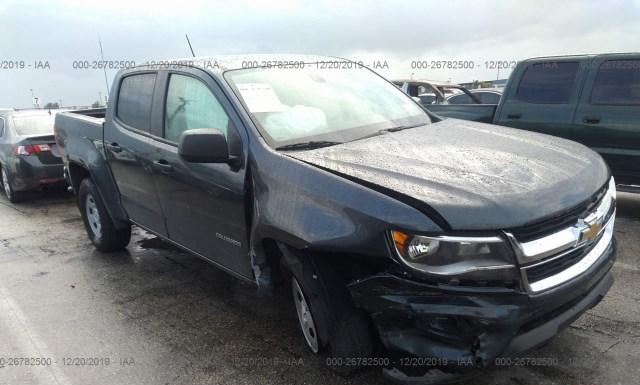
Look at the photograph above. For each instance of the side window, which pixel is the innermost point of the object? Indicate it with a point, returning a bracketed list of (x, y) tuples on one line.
[(1, 127), (548, 83), (617, 82), (134, 100), (460, 99), (427, 98), (488, 97), (191, 104)]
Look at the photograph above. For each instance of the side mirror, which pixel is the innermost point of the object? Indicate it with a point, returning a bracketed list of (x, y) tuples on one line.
[(204, 145)]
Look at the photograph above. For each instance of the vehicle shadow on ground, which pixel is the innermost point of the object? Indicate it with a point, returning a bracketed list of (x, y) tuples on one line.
[(45, 196)]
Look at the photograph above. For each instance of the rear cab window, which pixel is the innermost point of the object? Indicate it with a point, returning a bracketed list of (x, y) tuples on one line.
[(1, 127), (548, 83), (617, 82), (134, 100)]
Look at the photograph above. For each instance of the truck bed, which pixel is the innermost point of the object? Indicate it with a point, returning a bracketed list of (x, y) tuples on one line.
[(87, 124)]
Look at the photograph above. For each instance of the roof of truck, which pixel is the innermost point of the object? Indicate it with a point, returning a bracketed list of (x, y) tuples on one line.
[(584, 56), (223, 63)]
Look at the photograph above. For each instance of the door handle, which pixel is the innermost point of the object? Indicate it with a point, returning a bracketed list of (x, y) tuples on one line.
[(516, 115), (164, 166), (113, 147), (591, 119)]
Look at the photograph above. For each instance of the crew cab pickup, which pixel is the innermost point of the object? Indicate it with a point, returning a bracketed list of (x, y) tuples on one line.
[(592, 99), (399, 234)]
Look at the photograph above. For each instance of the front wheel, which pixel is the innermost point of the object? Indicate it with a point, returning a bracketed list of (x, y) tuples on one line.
[(330, 324), (305, 317), (97, 221)]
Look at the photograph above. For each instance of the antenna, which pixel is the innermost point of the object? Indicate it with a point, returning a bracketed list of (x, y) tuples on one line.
[(104, 67), (190, 47)]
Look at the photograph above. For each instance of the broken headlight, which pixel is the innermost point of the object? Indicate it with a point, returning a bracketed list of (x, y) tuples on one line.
[(476, 257)]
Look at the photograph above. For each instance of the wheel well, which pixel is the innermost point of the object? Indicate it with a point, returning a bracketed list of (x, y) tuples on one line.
[(350, 266), (273, 259), (76, 174)]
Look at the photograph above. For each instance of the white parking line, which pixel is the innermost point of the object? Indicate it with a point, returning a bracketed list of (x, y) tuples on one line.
[(28, 342)]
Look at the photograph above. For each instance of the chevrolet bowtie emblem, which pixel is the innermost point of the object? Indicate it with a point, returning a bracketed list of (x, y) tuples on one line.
[(590, 231)]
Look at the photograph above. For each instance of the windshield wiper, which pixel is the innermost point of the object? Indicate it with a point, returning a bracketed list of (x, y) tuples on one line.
[(307, 145), (400, 128)]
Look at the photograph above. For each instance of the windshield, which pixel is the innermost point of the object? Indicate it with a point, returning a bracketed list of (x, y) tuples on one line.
[(33, 125), (311, 104)]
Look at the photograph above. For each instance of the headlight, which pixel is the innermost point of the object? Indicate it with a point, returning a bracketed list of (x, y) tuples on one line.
[(447, 256)]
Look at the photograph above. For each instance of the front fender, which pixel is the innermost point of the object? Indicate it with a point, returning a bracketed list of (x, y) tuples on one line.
[(309, 208)]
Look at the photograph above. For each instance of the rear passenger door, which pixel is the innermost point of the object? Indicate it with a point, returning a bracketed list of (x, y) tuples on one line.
[(544, 98), (129, 148), (608, 117)]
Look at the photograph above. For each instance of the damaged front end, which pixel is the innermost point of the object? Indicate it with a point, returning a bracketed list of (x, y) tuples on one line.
[(442, 309), (461, 328)]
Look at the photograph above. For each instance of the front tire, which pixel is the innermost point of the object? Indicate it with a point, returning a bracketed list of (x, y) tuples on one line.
[(97, 221), (12, 195), (330, 323)]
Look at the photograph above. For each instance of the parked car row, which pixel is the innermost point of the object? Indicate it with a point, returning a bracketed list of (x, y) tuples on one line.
[(428, 92), (397, 231)]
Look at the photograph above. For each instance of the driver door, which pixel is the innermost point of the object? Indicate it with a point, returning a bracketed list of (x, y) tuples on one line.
[(203, 203)]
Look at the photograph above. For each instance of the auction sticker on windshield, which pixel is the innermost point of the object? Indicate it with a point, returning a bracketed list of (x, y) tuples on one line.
[(260, 97)]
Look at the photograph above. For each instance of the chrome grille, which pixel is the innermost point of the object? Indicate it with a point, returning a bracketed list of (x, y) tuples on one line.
[(556, 257), (551, 225)]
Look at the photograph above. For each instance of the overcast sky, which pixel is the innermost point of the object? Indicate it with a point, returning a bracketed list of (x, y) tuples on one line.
[(396, 32)]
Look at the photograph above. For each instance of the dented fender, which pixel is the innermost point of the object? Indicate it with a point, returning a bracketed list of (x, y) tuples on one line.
[(306, 207)]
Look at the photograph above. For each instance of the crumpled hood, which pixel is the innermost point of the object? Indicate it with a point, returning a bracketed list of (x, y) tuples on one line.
[(476, 176)]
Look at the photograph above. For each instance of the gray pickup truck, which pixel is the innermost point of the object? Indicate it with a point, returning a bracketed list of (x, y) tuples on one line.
[(592, 99), (430, 247)]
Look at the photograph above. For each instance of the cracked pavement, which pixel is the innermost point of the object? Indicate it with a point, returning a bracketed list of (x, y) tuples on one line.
[(156, 315)]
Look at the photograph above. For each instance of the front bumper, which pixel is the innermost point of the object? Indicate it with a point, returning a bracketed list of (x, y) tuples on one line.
[(461, 329), (29, 173)]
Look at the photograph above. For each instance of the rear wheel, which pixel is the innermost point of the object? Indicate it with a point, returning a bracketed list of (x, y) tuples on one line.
[(330, 323), (97, 221), (12, 195)]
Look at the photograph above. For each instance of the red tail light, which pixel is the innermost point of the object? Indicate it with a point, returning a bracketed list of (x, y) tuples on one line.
[(31, 149)]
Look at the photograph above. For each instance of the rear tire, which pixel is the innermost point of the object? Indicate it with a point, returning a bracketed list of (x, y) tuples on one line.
[(97, 221), (13, 196), (338, 330)]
